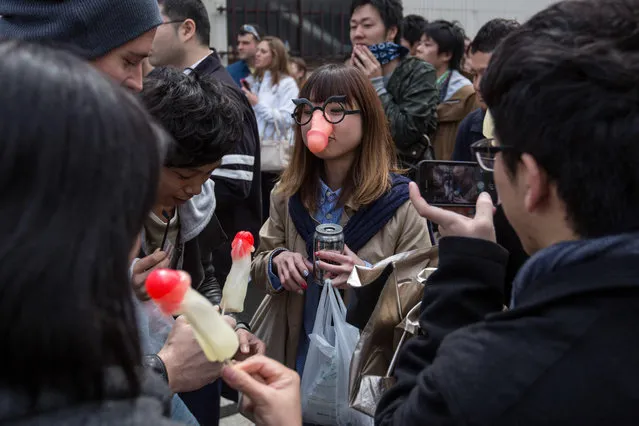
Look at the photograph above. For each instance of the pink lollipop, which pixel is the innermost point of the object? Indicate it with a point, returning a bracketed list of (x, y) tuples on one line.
[(167, 288)]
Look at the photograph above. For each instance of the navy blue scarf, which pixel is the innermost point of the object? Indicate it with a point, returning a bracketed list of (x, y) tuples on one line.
[(387, 52), (364, 224)]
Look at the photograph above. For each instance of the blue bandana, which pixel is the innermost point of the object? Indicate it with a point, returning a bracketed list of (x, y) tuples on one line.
[(387, 51)]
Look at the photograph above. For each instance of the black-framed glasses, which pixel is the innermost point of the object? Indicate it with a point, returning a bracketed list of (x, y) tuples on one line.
[(334, 110), (486, 150), (176, 21), (250, 29)]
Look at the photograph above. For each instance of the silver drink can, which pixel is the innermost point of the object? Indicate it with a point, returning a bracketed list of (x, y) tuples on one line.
[(327, 237)]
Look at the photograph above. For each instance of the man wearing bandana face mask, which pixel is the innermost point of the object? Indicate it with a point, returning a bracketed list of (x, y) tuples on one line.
[(406, 85)]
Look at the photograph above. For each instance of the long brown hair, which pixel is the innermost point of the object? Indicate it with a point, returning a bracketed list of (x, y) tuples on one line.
[(301, 65), (279, 61), (369, 176)]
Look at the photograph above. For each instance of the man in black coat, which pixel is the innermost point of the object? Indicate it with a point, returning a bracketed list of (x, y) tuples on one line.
[(563, 93), (183, 42)]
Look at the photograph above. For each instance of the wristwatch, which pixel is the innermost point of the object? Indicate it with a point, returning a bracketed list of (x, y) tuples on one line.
[(155, 364), (243, 326)]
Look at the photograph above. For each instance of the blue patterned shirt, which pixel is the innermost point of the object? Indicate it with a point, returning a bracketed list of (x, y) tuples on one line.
[(327, 212)]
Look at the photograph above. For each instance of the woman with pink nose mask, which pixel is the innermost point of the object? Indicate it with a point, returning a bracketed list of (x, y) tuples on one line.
[(343, 170)]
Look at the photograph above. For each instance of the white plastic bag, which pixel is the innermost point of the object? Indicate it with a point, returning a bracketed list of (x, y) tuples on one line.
[(326, 372)]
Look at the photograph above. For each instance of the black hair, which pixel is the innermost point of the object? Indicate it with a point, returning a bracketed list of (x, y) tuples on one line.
[(491, 34), (203, 116), (177, 10), (412, 28), (80, 168), (450, 37), (564, 88), (391, 12)]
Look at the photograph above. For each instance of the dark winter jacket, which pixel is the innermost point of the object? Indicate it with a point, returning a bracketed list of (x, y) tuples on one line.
[(200, 233), (566, 355), (151, 407), (410, 101), (238, 179), (470, 131)]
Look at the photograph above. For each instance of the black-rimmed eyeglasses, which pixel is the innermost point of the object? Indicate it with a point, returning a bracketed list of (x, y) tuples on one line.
[(177, 21), (334, 110), (485, 152)]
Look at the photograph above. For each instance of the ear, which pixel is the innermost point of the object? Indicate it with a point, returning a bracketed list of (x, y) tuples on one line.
[(187, 30), (535, 182), (391, 34)]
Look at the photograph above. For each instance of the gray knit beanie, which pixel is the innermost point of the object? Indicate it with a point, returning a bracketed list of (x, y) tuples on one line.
[(92, 27)]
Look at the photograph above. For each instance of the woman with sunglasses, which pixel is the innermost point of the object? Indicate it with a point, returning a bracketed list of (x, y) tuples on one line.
[(270, 91), (352, 182)]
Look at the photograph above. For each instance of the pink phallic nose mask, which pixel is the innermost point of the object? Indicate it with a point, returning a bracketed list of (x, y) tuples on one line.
[(317, 137), (322, 118)]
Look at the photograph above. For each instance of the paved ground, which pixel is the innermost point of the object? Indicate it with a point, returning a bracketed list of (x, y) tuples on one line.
[(230, 416)]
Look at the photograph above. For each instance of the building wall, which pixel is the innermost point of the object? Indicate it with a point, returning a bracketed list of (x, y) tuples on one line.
[(472, 14), (218, 25)]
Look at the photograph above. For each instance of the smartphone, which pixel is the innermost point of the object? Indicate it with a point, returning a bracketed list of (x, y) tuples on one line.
[(454, 183), (245, 84)]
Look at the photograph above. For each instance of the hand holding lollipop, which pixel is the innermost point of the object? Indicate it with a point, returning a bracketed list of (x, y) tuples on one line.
[(172, 292), (237, 280)]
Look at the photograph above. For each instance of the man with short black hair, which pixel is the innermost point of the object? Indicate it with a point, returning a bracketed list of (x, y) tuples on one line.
[(563, 93), (411, 30), (480, 51), (406, 85), (442, 45), (248, 37), (185, 23), (182, 41), (182, 223)]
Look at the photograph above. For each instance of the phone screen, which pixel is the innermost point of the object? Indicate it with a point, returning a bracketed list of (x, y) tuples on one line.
[(454, 183), (245, 84)]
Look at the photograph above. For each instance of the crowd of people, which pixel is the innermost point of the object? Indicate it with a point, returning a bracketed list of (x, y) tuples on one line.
[(129, 147)]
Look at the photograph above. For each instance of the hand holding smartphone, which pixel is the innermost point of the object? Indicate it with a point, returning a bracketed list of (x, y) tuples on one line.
[(454, 183), (245, 84)]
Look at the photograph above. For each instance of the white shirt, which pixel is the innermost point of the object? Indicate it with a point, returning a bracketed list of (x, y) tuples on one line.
[(274, 103), (190, 69)]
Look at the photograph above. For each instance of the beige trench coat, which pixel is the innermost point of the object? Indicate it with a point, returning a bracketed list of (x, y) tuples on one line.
[(404, 232)]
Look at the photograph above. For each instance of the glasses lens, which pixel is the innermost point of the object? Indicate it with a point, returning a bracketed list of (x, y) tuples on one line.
[(303, 114), (485, 152), (334, 112), (486, 160)]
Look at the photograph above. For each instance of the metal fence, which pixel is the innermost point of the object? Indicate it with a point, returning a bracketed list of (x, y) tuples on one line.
[(318, 31)]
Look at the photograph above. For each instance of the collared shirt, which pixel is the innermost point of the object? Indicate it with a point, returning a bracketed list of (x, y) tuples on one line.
[(327, 212), (190, 69), (327, 208)]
